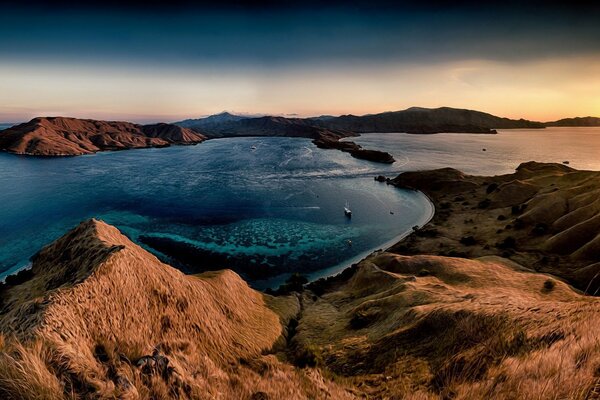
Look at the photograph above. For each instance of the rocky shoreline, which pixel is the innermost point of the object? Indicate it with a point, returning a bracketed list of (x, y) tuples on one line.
[(333, 141)]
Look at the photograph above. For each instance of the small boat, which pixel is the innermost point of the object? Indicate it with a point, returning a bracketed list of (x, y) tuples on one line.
[(566, 162), (349, 242), (253, 148), (391, 212), (347, 211)]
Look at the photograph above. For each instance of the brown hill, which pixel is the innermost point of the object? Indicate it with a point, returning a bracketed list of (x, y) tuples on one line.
[(60, 136), (544, 216), (102, 318), (99, 317), (427, 327)]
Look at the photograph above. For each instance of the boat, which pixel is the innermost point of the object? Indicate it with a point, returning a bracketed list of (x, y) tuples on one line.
[(347, 211), (253, 148)]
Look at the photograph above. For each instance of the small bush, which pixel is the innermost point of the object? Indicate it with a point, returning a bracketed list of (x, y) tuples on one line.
[(539, 229), (549, 285), (508, 243), (468, 240), (445, 205), (491, 188), (485, 203), (519, 223)]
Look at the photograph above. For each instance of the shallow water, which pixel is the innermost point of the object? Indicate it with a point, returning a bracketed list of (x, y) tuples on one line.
[(278, 206)]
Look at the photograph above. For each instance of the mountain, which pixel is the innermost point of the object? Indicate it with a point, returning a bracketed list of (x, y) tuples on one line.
[(412, 120), (61, 136), (211, 120), (424, 120), (260, 126), (577, 121), (98, 317)]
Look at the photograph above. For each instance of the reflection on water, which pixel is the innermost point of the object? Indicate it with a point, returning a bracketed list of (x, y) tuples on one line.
[(503, 152)]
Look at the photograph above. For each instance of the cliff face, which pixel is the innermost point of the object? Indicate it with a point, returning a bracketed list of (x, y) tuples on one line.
[(58, 136)]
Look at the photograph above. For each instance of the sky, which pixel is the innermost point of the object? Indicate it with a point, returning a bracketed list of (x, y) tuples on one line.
[(152, 61)]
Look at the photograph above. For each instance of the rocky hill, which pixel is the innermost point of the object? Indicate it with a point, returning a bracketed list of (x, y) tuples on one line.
[(60, 136)]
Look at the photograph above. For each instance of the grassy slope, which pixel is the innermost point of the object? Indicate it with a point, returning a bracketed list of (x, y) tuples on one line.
[(99, 306), (425, 327), (544, 216)]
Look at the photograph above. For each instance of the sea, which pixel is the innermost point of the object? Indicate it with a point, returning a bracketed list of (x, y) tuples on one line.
[(265, 207)]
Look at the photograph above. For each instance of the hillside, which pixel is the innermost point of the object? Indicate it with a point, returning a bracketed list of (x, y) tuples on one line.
[(60, 136), (424, 121), (577, 121), (99, 317), (102, 318), (427, 327), (544, 216)]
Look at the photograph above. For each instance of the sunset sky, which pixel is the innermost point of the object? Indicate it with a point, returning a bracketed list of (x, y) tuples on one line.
[(148, 62)]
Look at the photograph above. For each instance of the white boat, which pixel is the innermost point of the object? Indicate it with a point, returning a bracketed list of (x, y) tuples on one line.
[(347, 211), (253, 148)]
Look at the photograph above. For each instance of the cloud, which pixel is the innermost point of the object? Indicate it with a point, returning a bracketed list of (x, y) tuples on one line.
[(273, 36)]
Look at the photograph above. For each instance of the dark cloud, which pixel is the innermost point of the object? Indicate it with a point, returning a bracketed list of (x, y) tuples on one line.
[(270, 33)]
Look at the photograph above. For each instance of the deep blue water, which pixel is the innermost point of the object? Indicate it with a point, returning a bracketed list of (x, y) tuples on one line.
[(278, 206)]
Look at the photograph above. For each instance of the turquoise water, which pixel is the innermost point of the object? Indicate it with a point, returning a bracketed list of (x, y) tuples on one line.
[(266, 211)]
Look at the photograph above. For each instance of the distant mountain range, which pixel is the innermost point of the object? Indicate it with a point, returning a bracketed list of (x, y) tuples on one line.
[(52, 136), (413, 120), (578, 121)]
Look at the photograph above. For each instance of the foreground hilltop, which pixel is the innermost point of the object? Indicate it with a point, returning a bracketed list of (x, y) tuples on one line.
[(99, 317), (61, 136)]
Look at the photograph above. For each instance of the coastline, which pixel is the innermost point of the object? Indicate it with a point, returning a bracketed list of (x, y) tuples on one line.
[(339, 268)]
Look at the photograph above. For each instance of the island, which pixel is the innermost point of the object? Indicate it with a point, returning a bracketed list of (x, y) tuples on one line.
[(60, 136)]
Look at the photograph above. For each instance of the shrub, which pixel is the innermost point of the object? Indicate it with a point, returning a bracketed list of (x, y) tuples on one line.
[(485, 203), (491, 188), (549, 285), (468, 240), (508, 243)]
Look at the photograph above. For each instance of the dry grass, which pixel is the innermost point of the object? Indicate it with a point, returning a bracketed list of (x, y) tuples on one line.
[(102, 318), (466, 330)]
